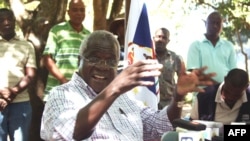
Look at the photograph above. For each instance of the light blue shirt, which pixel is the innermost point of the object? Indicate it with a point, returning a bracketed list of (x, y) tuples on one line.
[(219, 59)]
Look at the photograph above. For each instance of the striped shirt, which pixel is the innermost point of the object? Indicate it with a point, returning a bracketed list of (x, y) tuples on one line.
[(15, 55), (125, 120), (63, 45)]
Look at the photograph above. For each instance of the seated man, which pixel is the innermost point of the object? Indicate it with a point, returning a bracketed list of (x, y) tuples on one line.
[(94, 104), (225, 102)]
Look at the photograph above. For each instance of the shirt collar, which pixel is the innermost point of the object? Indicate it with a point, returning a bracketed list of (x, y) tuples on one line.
[(16, 37), (76, 78), (204, 39), (72, 29)]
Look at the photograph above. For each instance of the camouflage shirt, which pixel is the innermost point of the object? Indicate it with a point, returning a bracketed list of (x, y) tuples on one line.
[(171, 68)]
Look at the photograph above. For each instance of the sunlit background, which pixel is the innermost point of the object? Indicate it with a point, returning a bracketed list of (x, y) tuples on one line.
[(184, 21)]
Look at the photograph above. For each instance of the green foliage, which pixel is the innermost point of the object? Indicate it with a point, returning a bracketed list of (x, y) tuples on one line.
[(4, 4), (236, 13)]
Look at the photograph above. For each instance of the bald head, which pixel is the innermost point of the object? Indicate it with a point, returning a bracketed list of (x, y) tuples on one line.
[(214, 15), (164, 30), (214, 24), (76, 2)]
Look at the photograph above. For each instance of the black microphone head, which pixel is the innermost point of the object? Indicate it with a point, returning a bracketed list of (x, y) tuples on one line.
[(189, 125), (218, 138), (170, 136)]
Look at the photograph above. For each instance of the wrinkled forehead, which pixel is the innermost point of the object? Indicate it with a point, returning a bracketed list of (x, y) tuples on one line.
[(102, 46)]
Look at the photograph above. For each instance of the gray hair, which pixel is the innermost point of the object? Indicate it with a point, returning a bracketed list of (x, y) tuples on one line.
[(98, 36)]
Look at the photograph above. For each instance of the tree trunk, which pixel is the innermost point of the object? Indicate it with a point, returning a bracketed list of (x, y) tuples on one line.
[(35, 25), (35, 19), (100, 12)]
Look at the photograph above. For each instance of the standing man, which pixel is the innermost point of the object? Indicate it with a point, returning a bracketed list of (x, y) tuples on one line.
[(18, 61), (212, 51), (62, 48), (172, 65)]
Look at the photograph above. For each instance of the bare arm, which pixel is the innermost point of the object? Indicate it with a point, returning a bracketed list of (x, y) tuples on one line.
[(53, 69), (10, 93)]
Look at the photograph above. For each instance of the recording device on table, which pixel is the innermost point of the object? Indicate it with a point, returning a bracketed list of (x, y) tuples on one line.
[(214, 130), (186, 130), (241, 123)]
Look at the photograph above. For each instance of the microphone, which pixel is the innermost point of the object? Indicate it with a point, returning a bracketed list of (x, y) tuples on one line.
[(170, 136), (214, 129), (189, 130), (241, 123), (182, 136), (189, 125), (210, 124)]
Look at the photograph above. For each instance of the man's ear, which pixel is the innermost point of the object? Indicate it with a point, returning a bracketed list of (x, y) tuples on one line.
[(153, 38), (79, 60), (168, 41)]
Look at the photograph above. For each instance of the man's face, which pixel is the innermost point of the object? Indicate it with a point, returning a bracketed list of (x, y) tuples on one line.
[(231, 93), (7, 24), (160, 40), (214, 25), (97, 69), (76, 12)]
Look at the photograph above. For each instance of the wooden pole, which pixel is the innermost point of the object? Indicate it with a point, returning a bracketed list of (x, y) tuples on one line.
[(127, 5)]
